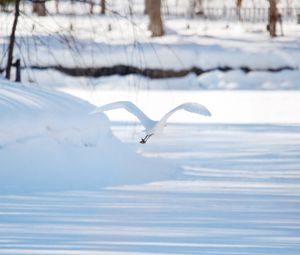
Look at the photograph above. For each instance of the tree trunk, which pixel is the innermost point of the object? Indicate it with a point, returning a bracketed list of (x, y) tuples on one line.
[(199, 7), (12, 40), (238, 8), (92, 7), (57, 6), (288, 6), (155, 24), (146, 6), (272, 17), (196, 7), (39, 8), (103, 7), (192, 8)]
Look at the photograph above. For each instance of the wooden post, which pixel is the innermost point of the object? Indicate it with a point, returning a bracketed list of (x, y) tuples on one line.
[(17, 65)]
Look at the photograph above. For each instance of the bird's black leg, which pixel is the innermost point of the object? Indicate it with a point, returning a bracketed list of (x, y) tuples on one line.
[(148, 136), (144, 140)]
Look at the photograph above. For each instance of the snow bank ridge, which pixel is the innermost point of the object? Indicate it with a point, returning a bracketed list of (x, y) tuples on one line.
[(48, 141)]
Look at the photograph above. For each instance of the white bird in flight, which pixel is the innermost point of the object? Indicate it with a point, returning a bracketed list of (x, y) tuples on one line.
[(152, 127)]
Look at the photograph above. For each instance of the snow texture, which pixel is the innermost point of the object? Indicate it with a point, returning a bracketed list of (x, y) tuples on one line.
[(78, 184), (238, 194), (48, 141)]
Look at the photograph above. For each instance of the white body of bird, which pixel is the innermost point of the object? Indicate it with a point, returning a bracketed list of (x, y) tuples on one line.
[(152, 127)]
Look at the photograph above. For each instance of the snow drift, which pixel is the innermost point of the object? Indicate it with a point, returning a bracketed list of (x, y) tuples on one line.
[(48, 141)]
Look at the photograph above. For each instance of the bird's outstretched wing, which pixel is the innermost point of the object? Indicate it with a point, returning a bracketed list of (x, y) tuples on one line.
[(130, 107), (189, 107)]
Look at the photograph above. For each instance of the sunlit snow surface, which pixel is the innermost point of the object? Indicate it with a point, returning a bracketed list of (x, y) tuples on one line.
[(239, 193)]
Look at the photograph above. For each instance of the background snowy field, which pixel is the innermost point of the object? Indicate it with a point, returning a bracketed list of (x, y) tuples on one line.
[(73, 183), (92, 41)]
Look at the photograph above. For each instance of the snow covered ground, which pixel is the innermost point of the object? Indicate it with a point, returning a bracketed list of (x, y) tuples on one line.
[(48, 141), (74, 183), (238, 194), (206, 46), (201, 188)]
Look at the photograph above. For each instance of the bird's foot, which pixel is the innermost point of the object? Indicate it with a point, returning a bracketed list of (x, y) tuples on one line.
[(143, 141)]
